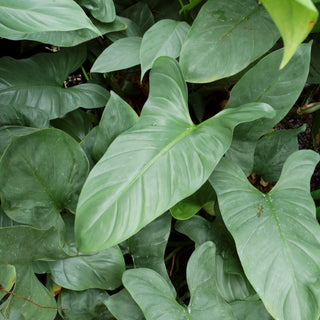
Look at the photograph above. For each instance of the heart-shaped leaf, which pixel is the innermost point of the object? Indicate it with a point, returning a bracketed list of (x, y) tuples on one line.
[(151, 166), (225, 38), (40, 84), (276, 234)]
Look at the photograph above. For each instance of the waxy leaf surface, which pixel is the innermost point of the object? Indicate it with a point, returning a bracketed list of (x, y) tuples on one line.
[(151, 166), (276, 234), (102, 10), (226, 37)]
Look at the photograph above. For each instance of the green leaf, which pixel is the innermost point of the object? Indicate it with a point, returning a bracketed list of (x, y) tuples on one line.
[(294, 19), (122, 54), (276, 234), (189, 206), (75, 37), (49, 188), (7, 277), (192, 4), (102, 270), (250, 310), (28, 286), (87, 144), (165, 38), (123, 307), (148, 246), (40, 84), (225, 38), (84, 305), (102, 10), (273, 150), (266, 83), (159, 161), (32, 16), (117, 117), (132, 30), (314, 74)]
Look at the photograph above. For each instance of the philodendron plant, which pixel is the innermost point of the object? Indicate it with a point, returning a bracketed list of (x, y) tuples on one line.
[(124, 190)]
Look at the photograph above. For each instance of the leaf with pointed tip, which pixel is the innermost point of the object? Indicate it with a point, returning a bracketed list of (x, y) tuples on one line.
[(32, 16), (102, 10), (159, 161), (295, 19), (49, 188), (226, 37), (40, 84), (276, 234), (164, 38), (266, 83), (122, 54)]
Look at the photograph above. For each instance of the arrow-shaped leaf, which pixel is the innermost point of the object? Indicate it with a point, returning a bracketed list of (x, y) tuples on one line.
[(276, 234), (156, 163)]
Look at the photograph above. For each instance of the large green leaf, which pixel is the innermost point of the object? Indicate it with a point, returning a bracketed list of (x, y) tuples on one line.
[(84, 305), (122, 54), (37, 82), (225, 38), (266, 83), (272, 151), (20, 17), (157, 301), (28, 286), (165, 38), (276, 234), (103, 10), (117, 117), (7, 277), (101, 270), (41, 173), (156, 163), (295, 19), (72, 38)]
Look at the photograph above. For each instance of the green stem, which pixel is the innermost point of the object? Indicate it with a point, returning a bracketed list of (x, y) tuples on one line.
[(84, 73)]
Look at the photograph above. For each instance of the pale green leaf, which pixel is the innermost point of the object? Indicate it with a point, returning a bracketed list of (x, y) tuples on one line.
[(122, 54), (150, 167), (20, 17), (295, 19), (226, 37), (7, 277), (102, 10), (164, 38), (276, 234)]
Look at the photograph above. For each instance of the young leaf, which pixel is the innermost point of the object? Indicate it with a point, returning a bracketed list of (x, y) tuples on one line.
[(40, 84), (84, 305), (273, 150), (266, 83), (225, 38), (295, 19), (43, 190), (162, 159), (276, 234), (32, 16), (165, 38), (102, 10), (122, 54), (101, 270)]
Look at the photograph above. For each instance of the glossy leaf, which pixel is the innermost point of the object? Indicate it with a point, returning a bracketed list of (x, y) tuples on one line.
[(123, 307), (122, 54), (84, 305), (117, 117), (295, 19), (101, 270), (87, 144), (7, 277), (266, 83), (50, 187), (47, 15), (72, 38), (225, 38), (150, 167), (102, 10), (40, 84), (189, 206), (165, 38), (273, 150), (250, 310), (28, 286), (156, 300), (148, 246), (276, 234)]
